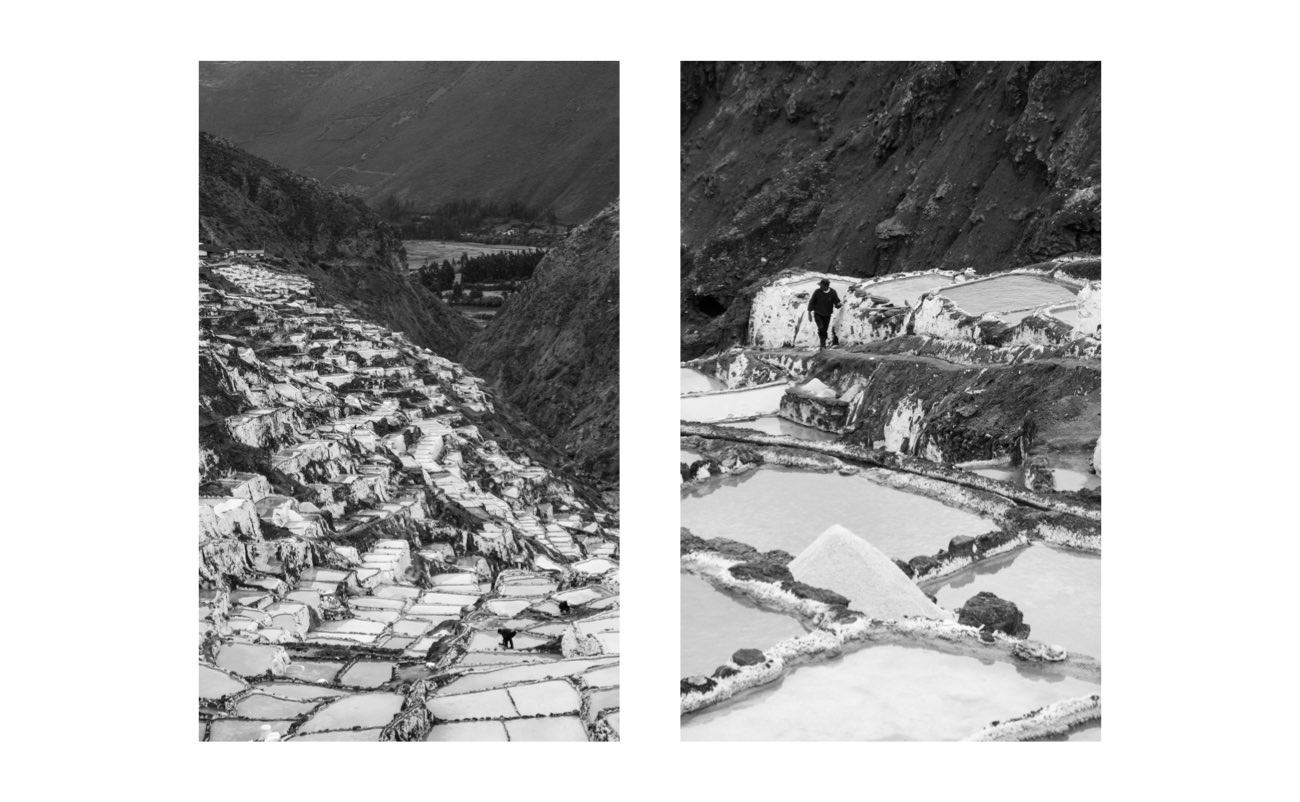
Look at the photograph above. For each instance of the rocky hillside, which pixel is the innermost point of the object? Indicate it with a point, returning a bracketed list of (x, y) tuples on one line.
[(872, 168), (543, 133), (335, 240), (553, 349)]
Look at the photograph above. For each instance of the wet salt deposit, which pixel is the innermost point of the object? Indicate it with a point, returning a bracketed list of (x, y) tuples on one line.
[(884, 693), (736, 404), (771, 424), (715, 625), (1059, 592), (1007, 293), (778, 508), (845, 563)]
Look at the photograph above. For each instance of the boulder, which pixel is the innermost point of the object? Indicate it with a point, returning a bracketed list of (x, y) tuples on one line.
[(749, 657), (985, 610)]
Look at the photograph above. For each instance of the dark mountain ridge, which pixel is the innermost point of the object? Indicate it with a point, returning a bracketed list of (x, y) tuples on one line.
[(544, 134), (865, 169)]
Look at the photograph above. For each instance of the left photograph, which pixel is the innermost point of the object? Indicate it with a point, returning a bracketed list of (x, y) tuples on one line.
[(408, 401)]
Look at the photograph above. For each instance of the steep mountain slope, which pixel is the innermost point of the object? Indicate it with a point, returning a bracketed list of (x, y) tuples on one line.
[(543, 133), (553, 349), (352, 256), (871, 168)]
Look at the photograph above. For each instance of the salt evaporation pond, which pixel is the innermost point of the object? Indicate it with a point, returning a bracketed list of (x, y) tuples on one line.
[(715, 625), (1058, 590), (884, 693), (773, 424), (1064, 479), (907, 290), (780, 508), (1006, 293), (694, 381), (735, 404)]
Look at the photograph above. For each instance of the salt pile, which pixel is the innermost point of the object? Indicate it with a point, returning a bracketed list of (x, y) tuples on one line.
[(845, 563)]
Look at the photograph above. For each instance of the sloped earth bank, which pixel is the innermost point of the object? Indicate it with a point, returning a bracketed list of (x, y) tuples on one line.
[(904, 423), (368, 527)]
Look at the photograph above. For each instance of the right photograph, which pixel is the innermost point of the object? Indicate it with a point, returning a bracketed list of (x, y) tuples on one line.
[(891, 401)]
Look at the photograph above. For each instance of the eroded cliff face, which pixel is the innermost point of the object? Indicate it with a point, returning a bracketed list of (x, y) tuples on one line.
[(349, 253), (552, 351), (863, 169)]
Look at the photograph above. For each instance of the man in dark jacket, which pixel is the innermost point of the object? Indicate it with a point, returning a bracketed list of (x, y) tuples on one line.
[(821, 306)]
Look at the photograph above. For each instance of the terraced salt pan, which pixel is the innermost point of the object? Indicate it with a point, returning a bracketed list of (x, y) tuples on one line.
[(1007, 293), (715, 625), (694, 381), (561, 728), (260, 706), (214, 684), (534, 672), (364, 710), (907, 290), (230, 729), (772, 424), (299, 691), (469, 731), (1058, 590), (884, 693), (367, 674), (545, 698), (313, 670), (733, 404), (347, 735), (779, 508)]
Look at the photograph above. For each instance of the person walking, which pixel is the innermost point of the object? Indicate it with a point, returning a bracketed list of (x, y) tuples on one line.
[(821, 306)]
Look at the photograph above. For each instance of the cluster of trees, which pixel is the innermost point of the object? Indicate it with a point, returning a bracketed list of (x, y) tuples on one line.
[(505, 266), (457, 219)]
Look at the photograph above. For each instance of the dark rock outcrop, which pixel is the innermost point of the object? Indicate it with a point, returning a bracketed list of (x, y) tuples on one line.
[(552, 350), (748, 657), (990, 613)]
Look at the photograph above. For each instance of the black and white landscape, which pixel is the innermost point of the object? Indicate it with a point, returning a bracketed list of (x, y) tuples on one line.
[(891, 401), (408, 401)]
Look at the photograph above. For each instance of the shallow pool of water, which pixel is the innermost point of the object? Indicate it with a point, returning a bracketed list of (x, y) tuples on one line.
[(1012, 475), (884, 693), (694, 381), (715, 625), (772, 424), (908, 289), (1058, 590), (738, 404), (1005, 293), (778, 508), (689, 456), (1069, 480)]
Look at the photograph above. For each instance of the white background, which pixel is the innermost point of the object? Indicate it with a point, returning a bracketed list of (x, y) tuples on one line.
[(99, 135)]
